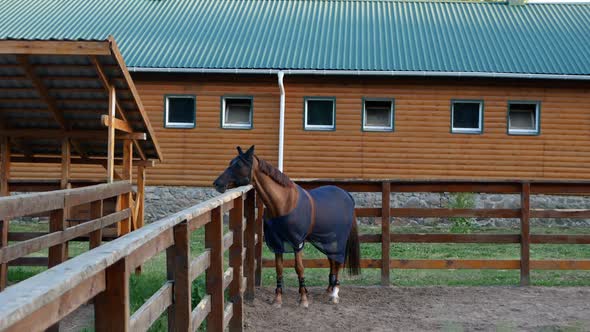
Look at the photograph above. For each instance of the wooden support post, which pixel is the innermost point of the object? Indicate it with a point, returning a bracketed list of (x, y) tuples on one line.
[(236, 222), (385, 244), (4, 191), (66, 155), (96, 210), (59, 252), (125, 224), (179, 262), (258, 251), (111, 307), (65, 163), (138, 219), (140, 197), (214, 274), (111, 136), (249, 237), (525, 236)]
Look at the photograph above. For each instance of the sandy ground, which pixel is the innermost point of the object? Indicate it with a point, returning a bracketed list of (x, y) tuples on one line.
[(426, 309)]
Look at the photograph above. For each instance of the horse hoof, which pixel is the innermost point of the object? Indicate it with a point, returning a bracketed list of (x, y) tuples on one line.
[(334, 300), (304, 304), (277, 305)]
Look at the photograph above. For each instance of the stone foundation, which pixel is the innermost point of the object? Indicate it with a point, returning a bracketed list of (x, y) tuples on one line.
[(163, 201)]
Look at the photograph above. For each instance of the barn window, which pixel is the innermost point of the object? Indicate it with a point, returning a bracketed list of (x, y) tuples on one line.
[(320, 113), (236, 112), (467, 116), (180, 111), (378, 114), (523, 117)]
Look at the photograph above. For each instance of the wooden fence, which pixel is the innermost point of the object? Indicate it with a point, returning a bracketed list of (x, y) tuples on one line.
[(57, 204), (102, 274), (524, 213)]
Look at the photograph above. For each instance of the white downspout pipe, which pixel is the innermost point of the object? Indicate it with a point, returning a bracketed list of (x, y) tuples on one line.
[(281, 120)]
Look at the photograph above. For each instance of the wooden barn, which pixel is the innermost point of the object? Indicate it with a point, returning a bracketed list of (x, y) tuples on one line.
[(345, 89)]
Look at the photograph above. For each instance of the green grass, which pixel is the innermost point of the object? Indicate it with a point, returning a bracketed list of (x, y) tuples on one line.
[(154, 271)]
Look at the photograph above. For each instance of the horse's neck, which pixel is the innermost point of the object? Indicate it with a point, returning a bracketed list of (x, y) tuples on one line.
[(280, 200)]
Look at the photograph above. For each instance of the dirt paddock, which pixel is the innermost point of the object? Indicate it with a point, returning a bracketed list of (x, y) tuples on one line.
[(426, 309)]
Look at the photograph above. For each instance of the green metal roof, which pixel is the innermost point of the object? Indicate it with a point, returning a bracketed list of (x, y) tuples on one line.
[(374, 36)]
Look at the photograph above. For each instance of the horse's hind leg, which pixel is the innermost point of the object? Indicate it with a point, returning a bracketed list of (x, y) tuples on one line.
[(329, 289), (333, 281), (278, 302), (302, 289)]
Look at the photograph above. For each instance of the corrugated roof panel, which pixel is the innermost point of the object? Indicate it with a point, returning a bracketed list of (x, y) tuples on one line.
[(320, 35)]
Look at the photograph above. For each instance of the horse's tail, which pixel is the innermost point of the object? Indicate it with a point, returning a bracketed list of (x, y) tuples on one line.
[(353, 250)]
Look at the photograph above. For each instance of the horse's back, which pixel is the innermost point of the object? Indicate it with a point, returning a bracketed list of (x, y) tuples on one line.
[(332, 197)]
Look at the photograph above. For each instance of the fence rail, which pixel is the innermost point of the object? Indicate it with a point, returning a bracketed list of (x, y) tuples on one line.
[(103, 274), (524, 188), (57, 204)]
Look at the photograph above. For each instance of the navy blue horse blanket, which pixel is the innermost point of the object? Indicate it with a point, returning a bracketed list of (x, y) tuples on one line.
[(334, 215)]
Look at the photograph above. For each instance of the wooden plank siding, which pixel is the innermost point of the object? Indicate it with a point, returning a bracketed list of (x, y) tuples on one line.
[(421, 147)]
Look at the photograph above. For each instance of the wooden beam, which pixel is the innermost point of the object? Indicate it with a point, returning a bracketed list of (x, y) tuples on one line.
[(47, 98), (4, 191), (121, 62), (214, 274), (80, 161), (111, 136), (65, 163), (140, 199), (119, 124), (127, 174), (111, 307), (107, 85), (250, 244), (385, 238), (236, 260), (61, 134), (525, 234), (54, 47)]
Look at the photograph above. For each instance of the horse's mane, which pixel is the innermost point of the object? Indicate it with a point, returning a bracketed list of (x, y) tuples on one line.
[(278, 176)]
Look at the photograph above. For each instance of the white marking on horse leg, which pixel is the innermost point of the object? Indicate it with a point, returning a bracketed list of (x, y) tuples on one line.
[(334, 295)]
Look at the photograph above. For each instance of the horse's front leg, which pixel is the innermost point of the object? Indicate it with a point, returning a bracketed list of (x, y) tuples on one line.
[(302, 289), (278, 302)]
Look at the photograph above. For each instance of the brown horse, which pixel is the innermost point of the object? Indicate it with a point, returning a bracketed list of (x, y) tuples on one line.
[(323, 216)]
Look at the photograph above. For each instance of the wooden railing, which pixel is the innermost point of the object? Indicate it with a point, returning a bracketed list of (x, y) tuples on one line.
[(102, 274), (57, 204), (524, 213)]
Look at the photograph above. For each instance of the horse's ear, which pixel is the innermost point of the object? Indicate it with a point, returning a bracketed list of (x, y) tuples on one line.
[(239, 150), (250, 151)]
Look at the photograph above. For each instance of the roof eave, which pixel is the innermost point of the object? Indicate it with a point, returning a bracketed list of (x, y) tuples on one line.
[(361, 73)]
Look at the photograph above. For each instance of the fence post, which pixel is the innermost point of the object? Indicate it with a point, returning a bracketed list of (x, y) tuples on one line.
[(4, 191), (385, 238), (525, 236), (258, 251), (95, 237), (214, 274), (249, 237), (178, 258), (236, 222), (111, 307)]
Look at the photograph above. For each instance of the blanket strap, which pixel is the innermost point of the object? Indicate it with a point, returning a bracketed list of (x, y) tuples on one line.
[(312, 223)]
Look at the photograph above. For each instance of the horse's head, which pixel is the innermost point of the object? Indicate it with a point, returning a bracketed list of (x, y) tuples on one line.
[(238, 173)]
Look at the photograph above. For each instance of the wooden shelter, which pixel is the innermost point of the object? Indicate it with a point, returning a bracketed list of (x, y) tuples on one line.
[(71, 103)]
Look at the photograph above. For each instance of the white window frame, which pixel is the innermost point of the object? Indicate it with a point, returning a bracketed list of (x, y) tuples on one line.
[(184, 125), (459, 130), (378, 128), (534, 131), (320, 127), (236, 125)]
